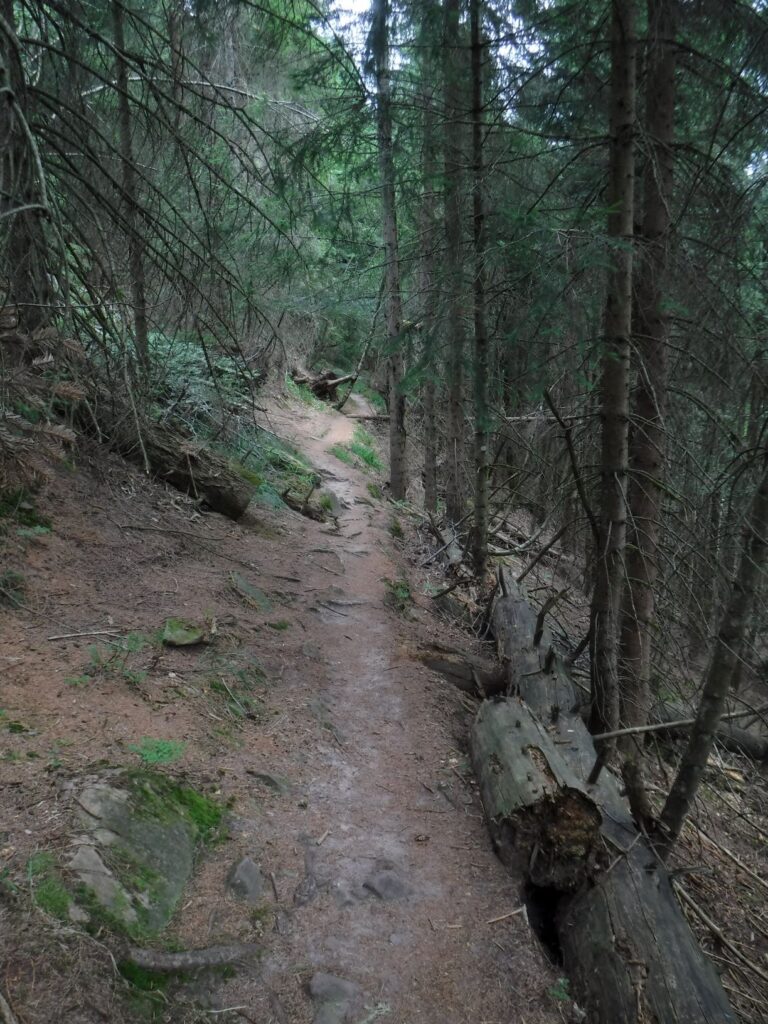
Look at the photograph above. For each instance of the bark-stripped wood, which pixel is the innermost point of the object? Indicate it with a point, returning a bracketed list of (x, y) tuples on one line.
[(626, 945)]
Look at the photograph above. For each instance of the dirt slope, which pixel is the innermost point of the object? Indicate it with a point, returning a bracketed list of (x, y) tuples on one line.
[(347, 780)]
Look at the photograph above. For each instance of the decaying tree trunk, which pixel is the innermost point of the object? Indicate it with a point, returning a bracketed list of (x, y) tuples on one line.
[(625, 944), (323, 384), (193, 469)]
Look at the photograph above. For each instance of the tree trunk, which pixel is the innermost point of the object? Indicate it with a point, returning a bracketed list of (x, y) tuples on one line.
[(725, 657), (480, 538), (130, 195), (647, 445), (428, 286), (625, 944), (454, 485), (614, 384), (379, 37), (23, 268)]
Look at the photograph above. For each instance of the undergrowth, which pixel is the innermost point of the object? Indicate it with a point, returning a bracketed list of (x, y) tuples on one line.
[(360, 451)]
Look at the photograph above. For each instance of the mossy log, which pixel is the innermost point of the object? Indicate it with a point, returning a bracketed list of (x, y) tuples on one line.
[(195, 470), (625, 943)]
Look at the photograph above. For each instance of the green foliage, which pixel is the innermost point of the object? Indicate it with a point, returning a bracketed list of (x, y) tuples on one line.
[(360, 451), (559, 991), (154, 751), (375, 491), (396, 528), (398, 595)]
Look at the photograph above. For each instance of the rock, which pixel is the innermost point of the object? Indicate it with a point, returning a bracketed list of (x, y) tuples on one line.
[(180, 633), (273, 782), (138, 853), (87, 864), (246, 880), (336, 999), (385, 882)]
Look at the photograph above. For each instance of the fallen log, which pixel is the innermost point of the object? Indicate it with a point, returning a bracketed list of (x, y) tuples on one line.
[(622, 937), (733, 737), (323, 384), (466, 672), (193, 469)]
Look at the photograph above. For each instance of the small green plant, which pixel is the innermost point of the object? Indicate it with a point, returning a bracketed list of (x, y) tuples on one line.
[(30, 532), (326, 503), (559, 991), (280, 625), (152, 751), (398, 595), (375, 491), (396, 528)]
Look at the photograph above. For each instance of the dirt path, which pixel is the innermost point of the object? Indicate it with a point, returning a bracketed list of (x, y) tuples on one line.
[(347, 780), (394, 845)]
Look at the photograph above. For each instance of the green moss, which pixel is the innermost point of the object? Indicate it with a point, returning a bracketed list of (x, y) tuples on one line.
[(48, 890), (142, 979), (249, 475), (160, 798), (153, 751)]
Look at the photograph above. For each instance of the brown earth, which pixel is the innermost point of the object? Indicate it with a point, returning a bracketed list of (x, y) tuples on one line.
[(347, 780)]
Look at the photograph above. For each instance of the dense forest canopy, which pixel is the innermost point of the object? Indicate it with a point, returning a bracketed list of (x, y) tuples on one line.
[(537, 229)]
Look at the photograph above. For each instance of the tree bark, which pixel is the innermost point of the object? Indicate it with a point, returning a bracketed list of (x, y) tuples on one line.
[(379, 37), (725, 657), (130, 195), (454, 486), (23, 271), (614, 384), (480, 537), (647, 442), (428, 290)]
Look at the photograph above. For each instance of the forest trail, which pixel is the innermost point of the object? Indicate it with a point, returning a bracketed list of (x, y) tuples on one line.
[(393, 837), (347, 779)]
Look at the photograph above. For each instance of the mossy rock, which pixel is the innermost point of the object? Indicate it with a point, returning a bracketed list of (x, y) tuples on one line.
[(181, 633), (139, 851)]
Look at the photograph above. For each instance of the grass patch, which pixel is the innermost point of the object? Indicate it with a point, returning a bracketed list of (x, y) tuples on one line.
[(396, 528), (375, 491), (152, 751), (360, 451)]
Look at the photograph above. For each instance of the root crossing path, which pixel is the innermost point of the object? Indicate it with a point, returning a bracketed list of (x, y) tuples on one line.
[(388, 893)]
